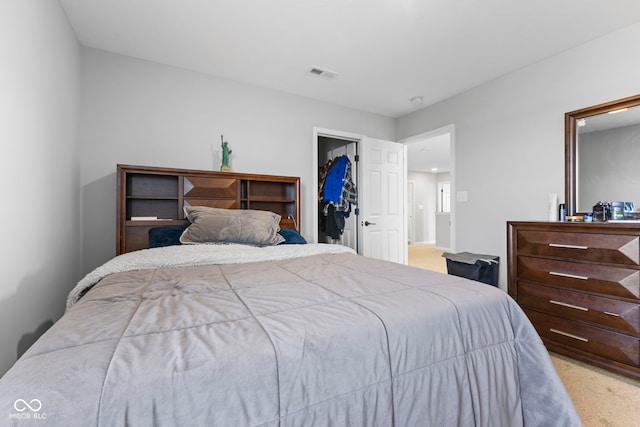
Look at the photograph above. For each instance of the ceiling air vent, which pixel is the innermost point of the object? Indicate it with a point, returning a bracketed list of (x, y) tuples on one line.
[(323, 73)]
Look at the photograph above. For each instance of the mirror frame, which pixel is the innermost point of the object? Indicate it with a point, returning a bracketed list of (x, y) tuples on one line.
[(570, 143)]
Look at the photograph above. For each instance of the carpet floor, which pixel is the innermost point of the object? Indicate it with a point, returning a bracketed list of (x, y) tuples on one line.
[(428, 257), (602, 399)]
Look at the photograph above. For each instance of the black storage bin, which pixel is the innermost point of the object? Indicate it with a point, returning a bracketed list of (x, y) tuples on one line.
[(478, 267)]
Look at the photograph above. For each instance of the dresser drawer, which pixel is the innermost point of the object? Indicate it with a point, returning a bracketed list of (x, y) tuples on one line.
[(611, 313), (607, 280), (591, 339), (610, 248)]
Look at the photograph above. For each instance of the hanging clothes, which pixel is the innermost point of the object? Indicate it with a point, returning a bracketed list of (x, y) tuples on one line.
[(348, 194), (334, 222), (334, 180), (336, 193)]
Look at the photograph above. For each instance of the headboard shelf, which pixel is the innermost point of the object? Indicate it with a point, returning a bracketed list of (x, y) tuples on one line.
[(146, 192)]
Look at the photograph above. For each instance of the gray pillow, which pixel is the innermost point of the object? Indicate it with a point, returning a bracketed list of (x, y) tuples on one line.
[(214, 225)]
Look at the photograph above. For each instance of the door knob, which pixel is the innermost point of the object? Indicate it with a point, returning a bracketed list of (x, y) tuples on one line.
[(367, 223)]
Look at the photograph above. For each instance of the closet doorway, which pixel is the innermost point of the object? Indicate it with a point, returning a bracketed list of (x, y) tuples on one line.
[(331, 147), (379, 172)]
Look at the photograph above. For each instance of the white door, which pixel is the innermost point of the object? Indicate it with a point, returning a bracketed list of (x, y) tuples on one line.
[(382, 193)]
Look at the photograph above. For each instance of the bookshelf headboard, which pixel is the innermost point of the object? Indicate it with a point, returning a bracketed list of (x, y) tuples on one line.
[(152, 197)]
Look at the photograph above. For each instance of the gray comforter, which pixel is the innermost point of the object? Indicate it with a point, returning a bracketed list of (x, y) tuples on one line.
[(331, 339)]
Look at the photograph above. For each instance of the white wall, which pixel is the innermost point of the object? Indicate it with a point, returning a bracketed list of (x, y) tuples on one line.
[(39, 85), (142, 113), (509, 140)]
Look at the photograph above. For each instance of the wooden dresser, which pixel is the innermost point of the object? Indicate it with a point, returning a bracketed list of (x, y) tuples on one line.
[(150, 197), (579, 284)]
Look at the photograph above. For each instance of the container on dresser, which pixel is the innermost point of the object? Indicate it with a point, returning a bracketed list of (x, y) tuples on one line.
[(579, 284), (150, 197)]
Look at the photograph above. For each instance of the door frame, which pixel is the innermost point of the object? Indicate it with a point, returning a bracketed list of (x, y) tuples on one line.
[(448, 129), (328, 133)]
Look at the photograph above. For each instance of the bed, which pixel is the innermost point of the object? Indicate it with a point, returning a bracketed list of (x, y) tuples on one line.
[(237, 334)]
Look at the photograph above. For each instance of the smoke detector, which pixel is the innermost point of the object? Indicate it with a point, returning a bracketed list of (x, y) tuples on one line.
[(416, 101), (323, 73)]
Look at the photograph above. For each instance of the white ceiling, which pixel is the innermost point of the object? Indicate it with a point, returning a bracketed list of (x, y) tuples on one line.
[(385, 51), (430, 153)]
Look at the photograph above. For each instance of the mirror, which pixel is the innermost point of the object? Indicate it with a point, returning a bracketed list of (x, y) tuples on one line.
[(602, 155)]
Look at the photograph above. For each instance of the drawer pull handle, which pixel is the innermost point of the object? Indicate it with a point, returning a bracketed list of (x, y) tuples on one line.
[(571, 276), (561, 245), (564, 304), (566, 334), (612, 314)]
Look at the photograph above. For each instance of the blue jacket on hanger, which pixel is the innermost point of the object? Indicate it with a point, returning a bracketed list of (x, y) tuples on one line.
[(334, 179)]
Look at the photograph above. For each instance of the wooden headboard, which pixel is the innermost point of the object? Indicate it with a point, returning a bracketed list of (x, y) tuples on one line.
[(151, 197)]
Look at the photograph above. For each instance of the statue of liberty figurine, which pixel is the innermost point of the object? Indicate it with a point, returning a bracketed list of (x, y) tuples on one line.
[(225, 155)]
